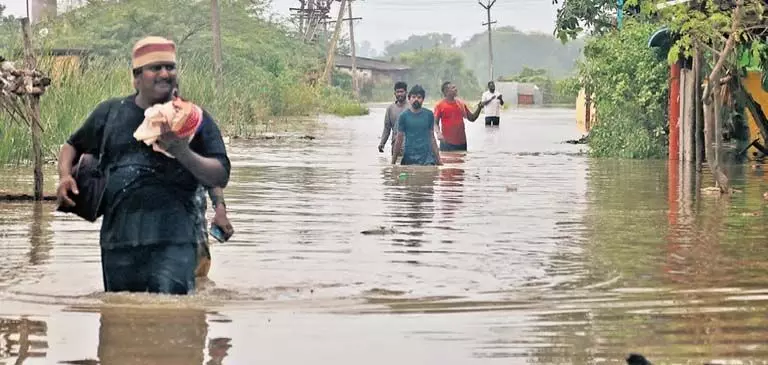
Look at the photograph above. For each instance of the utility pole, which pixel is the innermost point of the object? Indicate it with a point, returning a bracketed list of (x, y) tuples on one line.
[(33, 102), (490, 44), (355, 87), (217, 57), (334, 42), (302, 15), (312, 14), (38, 10)]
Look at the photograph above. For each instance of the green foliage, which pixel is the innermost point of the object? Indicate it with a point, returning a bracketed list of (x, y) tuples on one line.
[(513, 50), (562, 91), (709, 25), (431, 67), (567, 90), (419, 43), (542, 50), (338, 102), (267, 72), (574, 17), (596, 17), (630, 87)]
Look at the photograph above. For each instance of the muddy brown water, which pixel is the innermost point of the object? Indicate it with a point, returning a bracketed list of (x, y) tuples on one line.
[(520, 251)]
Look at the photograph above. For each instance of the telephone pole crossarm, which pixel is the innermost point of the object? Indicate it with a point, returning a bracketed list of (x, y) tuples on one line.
[(490, 43)]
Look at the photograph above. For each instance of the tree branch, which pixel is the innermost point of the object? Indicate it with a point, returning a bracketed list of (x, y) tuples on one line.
[(729, 45), (190, 33), (709, 48)]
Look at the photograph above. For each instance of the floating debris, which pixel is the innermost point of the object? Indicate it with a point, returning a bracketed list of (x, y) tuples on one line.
[(717, 191), (381, 230), (15, 197), (583, 140), (637, 359)]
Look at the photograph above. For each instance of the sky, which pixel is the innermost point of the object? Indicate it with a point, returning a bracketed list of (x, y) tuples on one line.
[(390, 20), (16, 8)]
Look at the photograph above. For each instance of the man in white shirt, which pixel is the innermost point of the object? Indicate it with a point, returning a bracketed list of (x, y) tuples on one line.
[(492, 103)]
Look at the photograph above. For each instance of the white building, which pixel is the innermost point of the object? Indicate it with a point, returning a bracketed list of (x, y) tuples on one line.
[(520, 93)]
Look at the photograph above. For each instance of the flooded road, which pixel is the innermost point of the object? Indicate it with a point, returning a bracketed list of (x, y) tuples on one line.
[(521, 251)]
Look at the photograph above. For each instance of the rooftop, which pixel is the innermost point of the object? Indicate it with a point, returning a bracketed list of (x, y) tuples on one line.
[(369, 64)]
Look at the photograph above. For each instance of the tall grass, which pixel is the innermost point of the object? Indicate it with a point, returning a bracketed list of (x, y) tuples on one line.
[(252, 101)]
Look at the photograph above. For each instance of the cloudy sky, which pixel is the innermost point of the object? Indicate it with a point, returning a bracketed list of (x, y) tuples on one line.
[(390, 20)]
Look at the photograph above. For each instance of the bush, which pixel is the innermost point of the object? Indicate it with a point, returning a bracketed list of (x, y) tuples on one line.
[(629, 85), (267, 71)]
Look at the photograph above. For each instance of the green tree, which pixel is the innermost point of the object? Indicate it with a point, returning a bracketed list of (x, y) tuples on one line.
[(9, 29), (732, 35), (513, 50), (629, 85), (595, 17), (431, 67), (268, 73), (574, 17), (419, 42)]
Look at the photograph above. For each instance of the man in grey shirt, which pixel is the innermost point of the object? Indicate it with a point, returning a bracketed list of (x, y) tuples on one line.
[(393, 112)]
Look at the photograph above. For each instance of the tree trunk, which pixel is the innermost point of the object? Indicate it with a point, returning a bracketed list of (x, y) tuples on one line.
[(712, 142), (709, 129), (712, 98), (33, 105), (688, 122), (698, 122), (334, 42)]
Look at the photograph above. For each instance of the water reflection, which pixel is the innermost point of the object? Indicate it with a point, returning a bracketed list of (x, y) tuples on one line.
[(40, 234), (22, 339), (519, 249), (26, 240), (217, 350), (688, 288), (452, 186), (410, 200), (152, 336)]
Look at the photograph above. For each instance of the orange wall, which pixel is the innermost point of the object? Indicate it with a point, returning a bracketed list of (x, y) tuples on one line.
[(754, 86)]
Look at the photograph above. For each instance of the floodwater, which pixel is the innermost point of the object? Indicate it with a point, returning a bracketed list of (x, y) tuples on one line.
[(521, 251)]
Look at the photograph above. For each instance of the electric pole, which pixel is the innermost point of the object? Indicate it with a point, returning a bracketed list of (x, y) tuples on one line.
[(217, 57), (490, 44), (355, 87), (334, 41)]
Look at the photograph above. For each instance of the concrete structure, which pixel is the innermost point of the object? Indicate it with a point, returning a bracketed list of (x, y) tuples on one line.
[(520, 93), (41, 9), (371, 70)]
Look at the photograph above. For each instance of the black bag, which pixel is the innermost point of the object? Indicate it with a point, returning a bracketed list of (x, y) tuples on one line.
[(90, 182), (91, 179)]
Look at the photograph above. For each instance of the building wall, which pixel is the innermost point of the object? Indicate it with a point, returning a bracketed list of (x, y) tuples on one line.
[(63, 66), (41, 9), (516, 93), (373, 76), (582, 123), (752, 82)]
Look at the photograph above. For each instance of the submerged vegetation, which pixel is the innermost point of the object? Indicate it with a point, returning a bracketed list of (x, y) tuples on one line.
[(270, 77)]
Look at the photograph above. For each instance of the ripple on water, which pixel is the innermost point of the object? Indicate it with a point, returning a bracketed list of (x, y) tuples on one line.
[(522, 249)]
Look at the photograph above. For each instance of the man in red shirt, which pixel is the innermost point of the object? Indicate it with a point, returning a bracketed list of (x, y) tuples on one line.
[(449, 119)]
